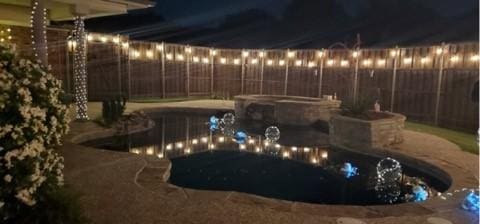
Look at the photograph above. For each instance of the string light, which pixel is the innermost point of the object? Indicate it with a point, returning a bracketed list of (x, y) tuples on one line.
[(80, 69), (407, 60), (254, 61), (424, 60), (125, 45), (330, 62), (286, 154), (393, 53), (344, 63), (169, 56), (196, 59), (306, 149), (439, 51), (291, 54), (213, 52), (221, 139), (294, 148), (311, 64), (169, 147), (179, 145), (223, 60), (261, 54), (251, 141), (355, 54), (90, 37), (188, 50), (367, 62), (454, 59), (242, 146), (269, 62), (180, 57), (205, 60), (381, 62), (204, 139), (298, 63), (245, 54), (320, 54), (116, 40), (281, 62), (149, 54), (194, 141), (324, 155), (474, 58), (104, 39), (160, 47), (236, 61)]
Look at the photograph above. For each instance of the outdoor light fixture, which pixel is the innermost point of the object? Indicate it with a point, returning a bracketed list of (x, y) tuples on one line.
[(187, 151), (169, 147), (194, 141), (223, 60), (236, 61), (188, 50), (314, 160), (221, 139), (294, 148), (196, 59), (211, 146), (115, 40), (306, 149), (89, 37), (213, 52), (179, 145), (286, 154), (125, 45), (251, 141), (257, 149), (169, 56), (204, 139), (269, 62), (344, 63), (261, 54), (277, 146), (242, 146), (298, 63), (104, 39), (245, 54), (160, 155), (281, 62), (311, 64), (407, 60), (254, 61), (291, 54), (324, 154)]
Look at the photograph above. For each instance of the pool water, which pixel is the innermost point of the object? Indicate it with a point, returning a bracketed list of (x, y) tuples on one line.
[(301, 166)]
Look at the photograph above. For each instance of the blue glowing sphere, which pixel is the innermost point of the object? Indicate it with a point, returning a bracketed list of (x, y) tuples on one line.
[(349, 170), (419, 193), (213, 123), (471, 202), (240, 137)]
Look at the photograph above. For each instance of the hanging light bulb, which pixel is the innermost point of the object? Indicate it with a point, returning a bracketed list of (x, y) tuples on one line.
[(159, 47), (330, 62), (254, 61), (236, 61), (407, 60), (291, 54), (223, 60), (188, 50), (393, 53), (381, 62), (261, 54), (454, 59), (355, 54), (269, 62), (125, 45), (281, 62), (439, 51), (298, 63), (213, 52), (245, 54), (367, 62), (205, 60), (169, 56), (474, 58), (344, 63), (320, 54), (180, 57), (196, 59), (149, 54), (424, 60), (311, 64)]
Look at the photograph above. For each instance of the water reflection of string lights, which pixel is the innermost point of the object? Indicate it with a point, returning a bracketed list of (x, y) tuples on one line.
[(313, 155)]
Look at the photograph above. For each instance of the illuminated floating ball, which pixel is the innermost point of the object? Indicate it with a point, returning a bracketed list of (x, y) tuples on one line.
[(228, 131), (388, 170), (348, 170), (272, 134), (240, 137), (419, 193), (471, 202), (213, 123), (388, 192), (228, 119)]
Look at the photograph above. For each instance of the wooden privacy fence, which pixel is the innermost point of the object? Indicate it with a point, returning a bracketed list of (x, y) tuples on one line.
[(433, 84)]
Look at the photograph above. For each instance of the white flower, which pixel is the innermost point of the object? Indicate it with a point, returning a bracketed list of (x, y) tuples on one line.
[(7, 178)]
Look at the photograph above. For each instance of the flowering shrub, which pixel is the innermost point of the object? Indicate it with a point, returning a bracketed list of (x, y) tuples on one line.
[(32, 122)]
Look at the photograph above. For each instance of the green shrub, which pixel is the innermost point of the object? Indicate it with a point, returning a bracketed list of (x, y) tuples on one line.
[(356, 109)]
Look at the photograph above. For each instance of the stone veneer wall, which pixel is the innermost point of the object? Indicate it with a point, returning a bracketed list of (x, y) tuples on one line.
[(363, 135)]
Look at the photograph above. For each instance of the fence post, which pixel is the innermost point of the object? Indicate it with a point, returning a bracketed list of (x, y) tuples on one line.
[(285, 87), (320, 78), (439, 84), (187, 84), (129, 80), (394, 78), (261, 73), (211, 70), (243, 74), (119, 65), (67, 67), (162, 55), (355, 77)]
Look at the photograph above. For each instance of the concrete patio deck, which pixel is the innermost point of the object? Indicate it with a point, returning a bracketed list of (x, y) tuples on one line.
[(121, 187)]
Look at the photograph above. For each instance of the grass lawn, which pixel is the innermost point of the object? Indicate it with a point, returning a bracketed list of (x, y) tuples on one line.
[(466, 141)]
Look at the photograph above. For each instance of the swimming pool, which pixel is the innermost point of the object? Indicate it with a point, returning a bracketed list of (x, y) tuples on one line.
[(300, 166)]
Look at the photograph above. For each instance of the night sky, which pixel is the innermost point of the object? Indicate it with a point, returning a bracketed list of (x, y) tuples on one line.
[(298, 23)]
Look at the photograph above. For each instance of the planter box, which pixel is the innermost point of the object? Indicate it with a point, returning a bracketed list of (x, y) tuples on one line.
[(361, 134)]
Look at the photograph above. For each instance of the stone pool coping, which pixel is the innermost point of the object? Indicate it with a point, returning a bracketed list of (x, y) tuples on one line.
[(127, 188)]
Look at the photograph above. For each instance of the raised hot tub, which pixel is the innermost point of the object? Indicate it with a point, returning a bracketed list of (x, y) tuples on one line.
[(290, 110)]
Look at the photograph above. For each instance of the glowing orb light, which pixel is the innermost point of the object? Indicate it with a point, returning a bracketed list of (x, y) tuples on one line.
[(471, 202), (240, 137), (228, 119), (419, 193), (348, 170), (213, 123), (272, 134), (388, 170)]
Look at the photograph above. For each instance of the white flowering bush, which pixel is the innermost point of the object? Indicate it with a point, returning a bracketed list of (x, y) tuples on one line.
[(32, 123)]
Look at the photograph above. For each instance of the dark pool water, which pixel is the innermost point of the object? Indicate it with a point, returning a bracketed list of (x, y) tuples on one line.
[(299, 167)]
